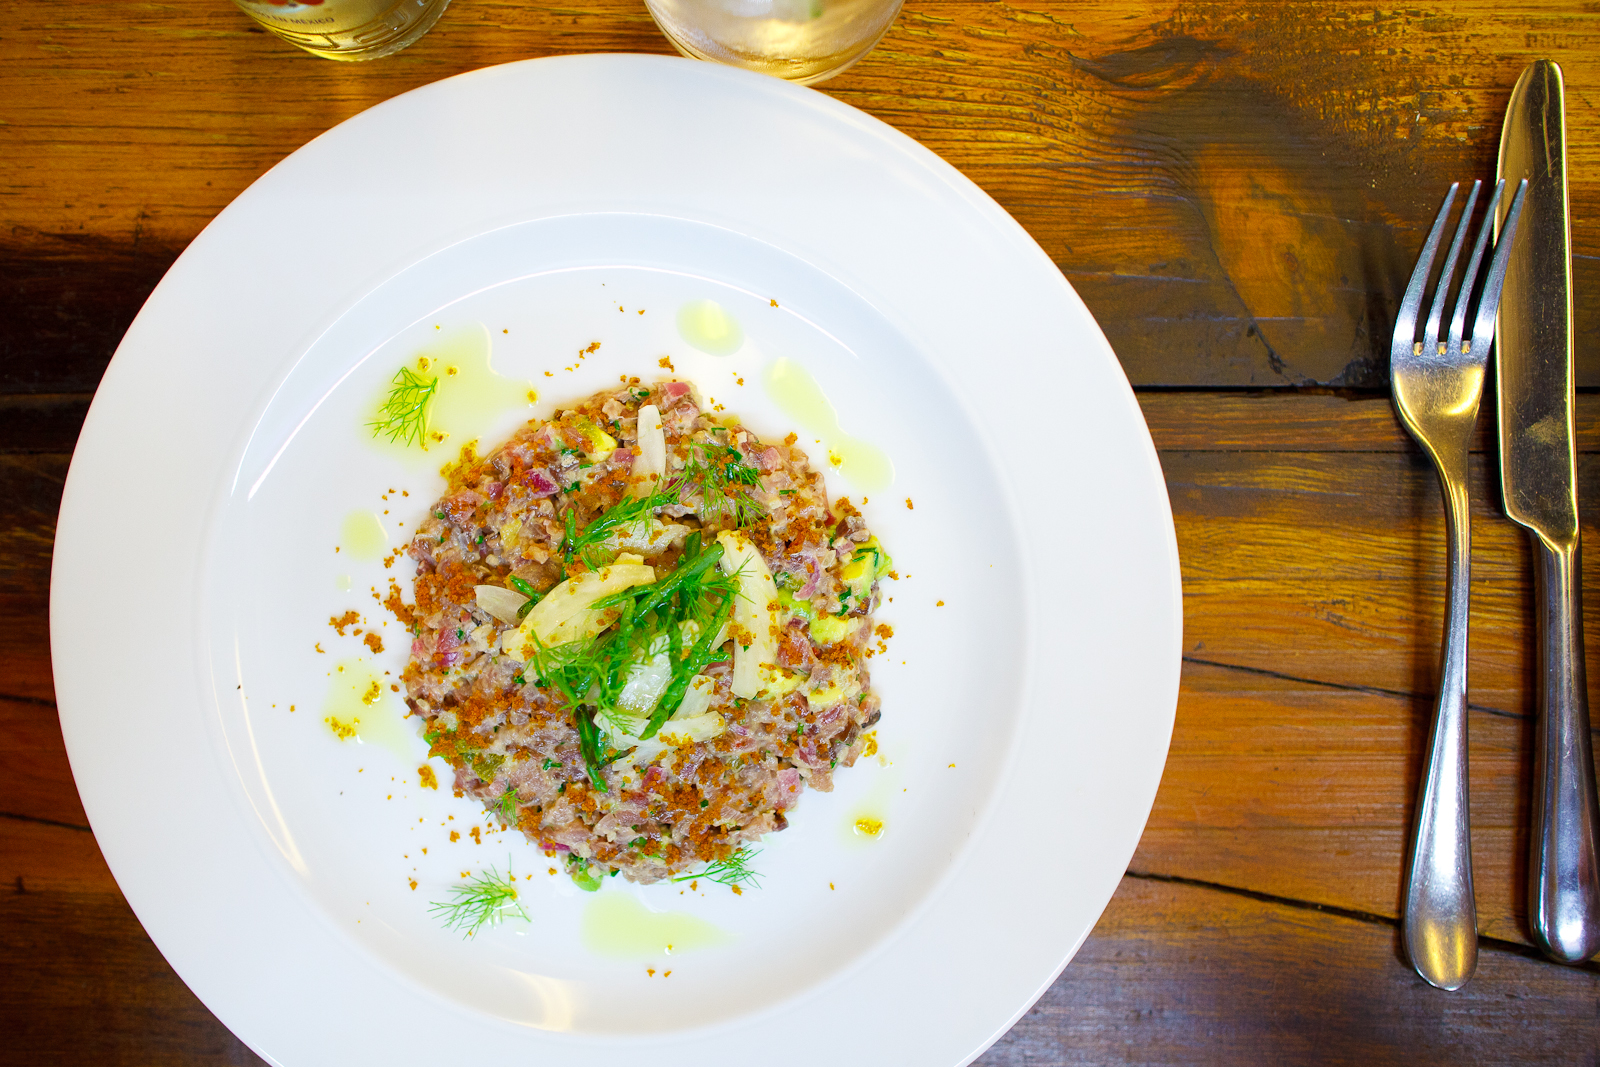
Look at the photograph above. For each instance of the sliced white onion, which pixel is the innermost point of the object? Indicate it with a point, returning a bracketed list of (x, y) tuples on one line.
[(651, 463), (698, 728), (696, 699), (646, 682), (501, 602), (652, 536), (755, 615)]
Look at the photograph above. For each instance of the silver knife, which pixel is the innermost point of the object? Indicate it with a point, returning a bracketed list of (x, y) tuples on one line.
[(1533, 364)]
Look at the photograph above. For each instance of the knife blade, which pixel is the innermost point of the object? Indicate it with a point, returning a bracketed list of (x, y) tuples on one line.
[(1538, 481)]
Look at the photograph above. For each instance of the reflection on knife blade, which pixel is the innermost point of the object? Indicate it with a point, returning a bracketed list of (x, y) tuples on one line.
[(1533, 366)]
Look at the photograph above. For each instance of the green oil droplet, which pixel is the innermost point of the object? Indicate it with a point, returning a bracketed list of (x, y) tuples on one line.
[(798, 396), (469, 397), (361, 707), (362, 535), (706, 325), (615, 924)]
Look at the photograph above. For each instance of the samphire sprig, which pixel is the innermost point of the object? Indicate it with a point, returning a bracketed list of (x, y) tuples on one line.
[(487, 898), (630, 512), (652, 619), (404, 415)]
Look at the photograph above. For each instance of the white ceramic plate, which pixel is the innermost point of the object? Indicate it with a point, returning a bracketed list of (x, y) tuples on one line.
[(526, 211)]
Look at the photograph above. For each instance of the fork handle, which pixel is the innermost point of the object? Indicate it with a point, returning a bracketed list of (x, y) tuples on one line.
[(1564, 894), (1441, 920)]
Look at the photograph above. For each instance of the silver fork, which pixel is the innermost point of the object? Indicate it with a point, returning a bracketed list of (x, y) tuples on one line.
[(1437, 385)]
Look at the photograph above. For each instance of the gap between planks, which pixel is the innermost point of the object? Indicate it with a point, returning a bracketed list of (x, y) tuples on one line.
[(1494, 944)]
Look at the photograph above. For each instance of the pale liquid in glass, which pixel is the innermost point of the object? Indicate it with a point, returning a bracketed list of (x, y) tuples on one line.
[(802, 40), (346, 29)]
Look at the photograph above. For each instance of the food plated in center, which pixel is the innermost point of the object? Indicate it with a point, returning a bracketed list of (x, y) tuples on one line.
[(640, 632)]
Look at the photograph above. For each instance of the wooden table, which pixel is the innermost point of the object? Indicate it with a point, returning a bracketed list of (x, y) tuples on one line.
[(1237, 191)]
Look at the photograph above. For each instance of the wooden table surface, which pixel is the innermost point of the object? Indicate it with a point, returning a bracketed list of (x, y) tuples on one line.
[(1238, 192)]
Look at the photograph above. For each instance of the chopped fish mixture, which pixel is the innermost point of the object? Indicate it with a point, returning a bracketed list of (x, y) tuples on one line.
[(641, 632)]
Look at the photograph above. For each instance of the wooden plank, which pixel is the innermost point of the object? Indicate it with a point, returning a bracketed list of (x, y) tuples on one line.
[(1296, 421), (30, 496), (35, 779), (81, 983), (1307, 792), (1236, 190), (46, 422), (1331, 567), (1182, 975), (1173, 974), (39, 857)]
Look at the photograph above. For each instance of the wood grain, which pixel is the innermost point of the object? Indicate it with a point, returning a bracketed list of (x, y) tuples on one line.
[(1263, 982), (1237, 190), (1174, 973)]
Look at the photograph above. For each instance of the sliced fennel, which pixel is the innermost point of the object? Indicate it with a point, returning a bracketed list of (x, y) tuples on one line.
[(568, 613), (755, 615)]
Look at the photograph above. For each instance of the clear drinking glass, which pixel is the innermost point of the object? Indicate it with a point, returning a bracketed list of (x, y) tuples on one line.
[(802, 40), (346, 29)]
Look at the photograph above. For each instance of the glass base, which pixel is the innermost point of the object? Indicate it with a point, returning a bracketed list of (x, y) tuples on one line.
[(802, 50), (350, 30)]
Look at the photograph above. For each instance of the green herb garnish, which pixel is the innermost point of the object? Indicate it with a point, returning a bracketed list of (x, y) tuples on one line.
[(735, 870), (722, 479), (629, 513), (679, 616), (506, 806), (404, 415), (486, 899)]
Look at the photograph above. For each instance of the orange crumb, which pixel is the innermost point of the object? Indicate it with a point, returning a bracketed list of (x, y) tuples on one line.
[(665, 362), (428, 778), (374, 642), (908, 504), (454, 836), (477, 836), (939, 604), (413, 884)]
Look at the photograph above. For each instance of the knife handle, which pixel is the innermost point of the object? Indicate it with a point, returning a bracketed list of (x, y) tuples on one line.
[(1564, 894)]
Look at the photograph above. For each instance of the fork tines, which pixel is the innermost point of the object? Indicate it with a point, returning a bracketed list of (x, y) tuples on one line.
[(1486, 293)]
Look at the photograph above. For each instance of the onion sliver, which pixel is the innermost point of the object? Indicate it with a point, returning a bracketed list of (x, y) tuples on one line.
[(501, 602)]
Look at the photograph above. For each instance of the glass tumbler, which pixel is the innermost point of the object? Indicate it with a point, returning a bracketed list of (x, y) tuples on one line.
[(804, 41), (346, 29)]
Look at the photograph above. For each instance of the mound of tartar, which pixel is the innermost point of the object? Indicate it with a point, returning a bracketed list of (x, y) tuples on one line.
[(641, 632)]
